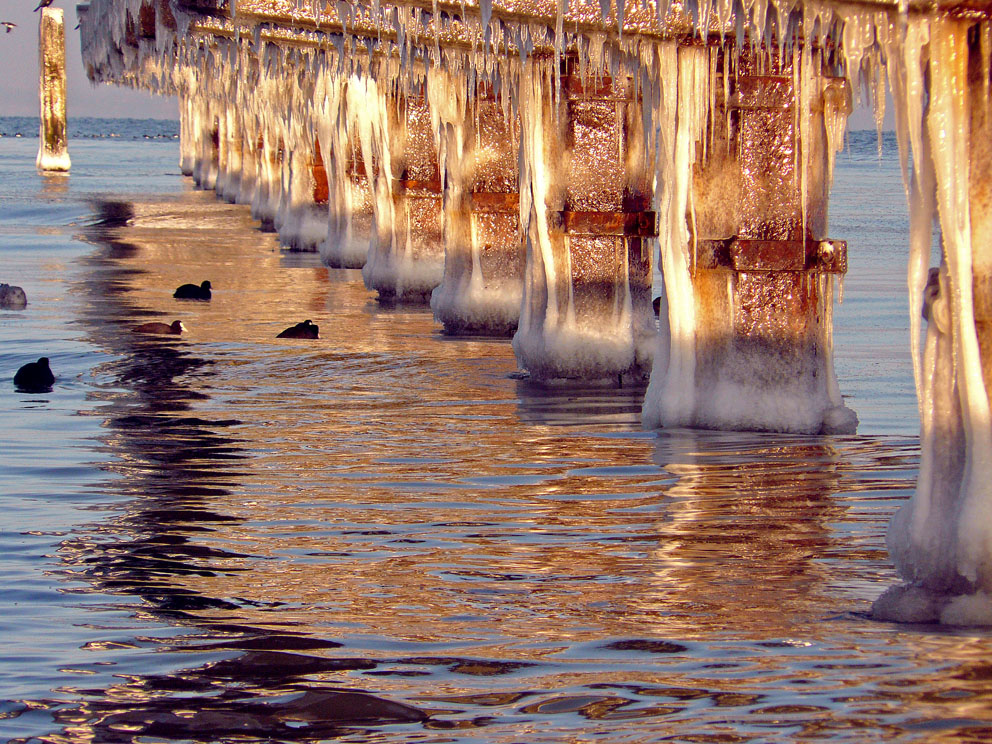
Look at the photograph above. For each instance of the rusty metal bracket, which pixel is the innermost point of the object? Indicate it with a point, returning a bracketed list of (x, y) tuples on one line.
[(742, 255), (404, 187), (485, 201), (626, 224)]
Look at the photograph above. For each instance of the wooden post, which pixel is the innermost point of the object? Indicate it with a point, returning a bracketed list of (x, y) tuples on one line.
[(406, 258), (53, 148), (484, 257), (586, 310), (762, 268)]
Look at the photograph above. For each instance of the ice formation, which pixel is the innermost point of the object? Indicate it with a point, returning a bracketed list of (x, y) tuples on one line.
[(482, 285), (579, 317), (341, 129), (406, 254), (354, 78), (941, 541), (53, 146)]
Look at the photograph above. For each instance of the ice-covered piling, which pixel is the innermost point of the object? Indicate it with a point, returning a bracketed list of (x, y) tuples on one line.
[(585, 204), (484, 257), (406, 255), (759, 292), (941, 540), (229, 156), (53, 146), (345, 119), (302, 218)]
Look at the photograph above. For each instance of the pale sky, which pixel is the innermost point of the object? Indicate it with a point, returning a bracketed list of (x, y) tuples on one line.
[(19, 73), (19, 76)]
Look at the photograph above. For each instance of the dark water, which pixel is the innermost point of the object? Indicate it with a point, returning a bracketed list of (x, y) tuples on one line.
[(385, 535)]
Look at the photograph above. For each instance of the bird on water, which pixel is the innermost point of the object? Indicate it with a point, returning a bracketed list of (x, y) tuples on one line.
[(175, 328), (43, 4), (306, 329), (35, 377), (193, 292)]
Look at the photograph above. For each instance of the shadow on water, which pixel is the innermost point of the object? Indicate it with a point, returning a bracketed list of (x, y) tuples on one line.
[(170, 466), (578, 402)]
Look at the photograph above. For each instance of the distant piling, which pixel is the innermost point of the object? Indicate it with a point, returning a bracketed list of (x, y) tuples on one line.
[(53, 148)]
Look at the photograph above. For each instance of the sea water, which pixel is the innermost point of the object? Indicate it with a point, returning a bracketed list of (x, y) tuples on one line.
[(226, 536)]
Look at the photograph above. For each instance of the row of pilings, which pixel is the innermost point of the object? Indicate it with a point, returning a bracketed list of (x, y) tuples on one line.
[(550, 194), (529, 174), (537, 202)]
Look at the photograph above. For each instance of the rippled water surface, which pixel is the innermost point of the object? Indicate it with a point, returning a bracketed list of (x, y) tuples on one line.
[(388, 535)]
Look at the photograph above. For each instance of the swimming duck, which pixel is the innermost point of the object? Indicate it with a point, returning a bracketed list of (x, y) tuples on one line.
[(193, 292), (35, 377), (174, 328), (306, 329)]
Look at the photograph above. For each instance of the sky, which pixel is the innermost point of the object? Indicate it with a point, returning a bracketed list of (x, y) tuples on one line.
[(19, 86), (19, 78)]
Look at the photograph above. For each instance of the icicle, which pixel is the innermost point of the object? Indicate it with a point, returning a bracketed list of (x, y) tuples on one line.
[(486, 13), (985, 40), (727, 62), (805, 131), (949, 121)]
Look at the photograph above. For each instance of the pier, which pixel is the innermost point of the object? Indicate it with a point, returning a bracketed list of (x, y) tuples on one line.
[(552, 170)]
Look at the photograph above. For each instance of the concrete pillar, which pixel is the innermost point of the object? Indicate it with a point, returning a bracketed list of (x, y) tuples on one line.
[(406, 255), (482, 286), (761, 265), (53, 147), (585, 199)]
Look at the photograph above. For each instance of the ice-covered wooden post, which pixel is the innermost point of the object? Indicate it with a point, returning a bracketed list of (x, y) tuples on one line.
[(941, 540), (482, 286), (760, 265), (585, 197), (53, 149), (406, 257)]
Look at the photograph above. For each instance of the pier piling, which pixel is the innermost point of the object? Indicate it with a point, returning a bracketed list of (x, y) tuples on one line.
[(406, 256), (761, 266), (586, 204), (482, 286), (53, 147)]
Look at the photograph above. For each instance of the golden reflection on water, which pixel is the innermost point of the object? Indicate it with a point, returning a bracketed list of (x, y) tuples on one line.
[(392, 511)]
